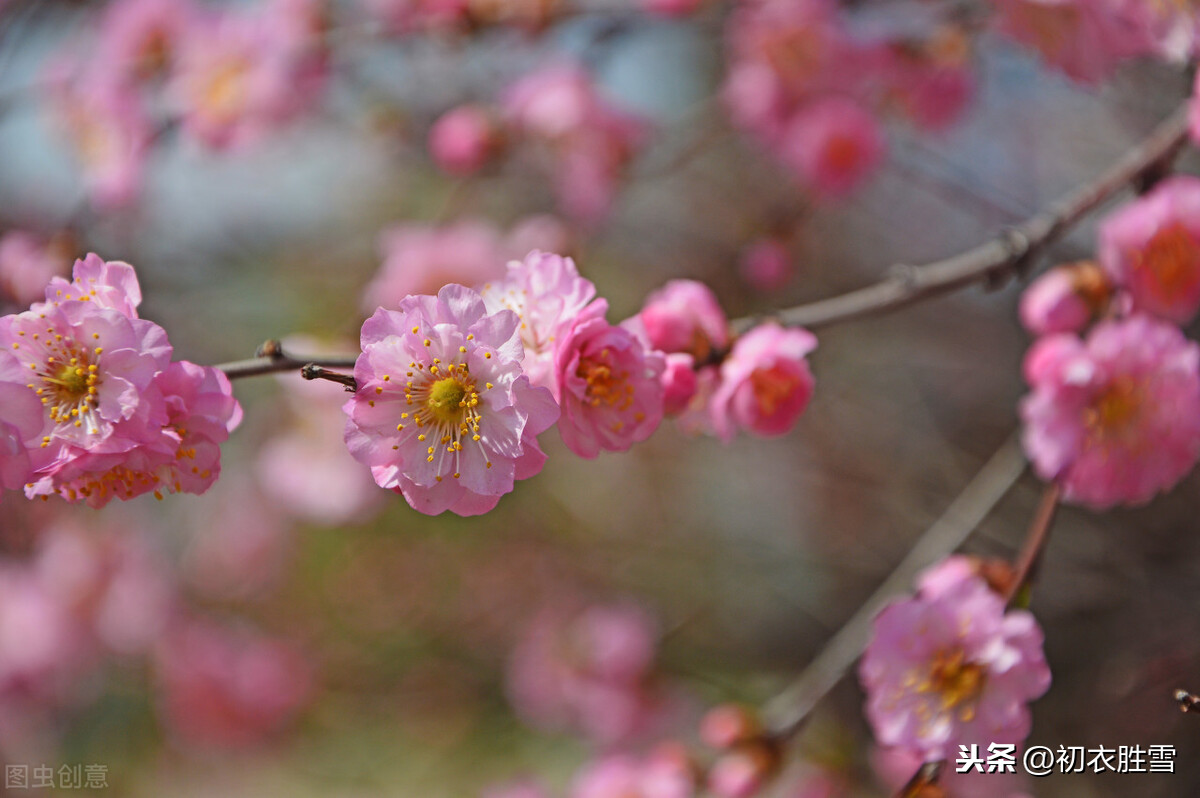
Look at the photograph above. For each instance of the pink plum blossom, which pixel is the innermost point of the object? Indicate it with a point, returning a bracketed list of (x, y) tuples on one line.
[(228, 688), (105, 284), (680, 383), (27, 263), (1151, 248), (929, 82), (663, 774), (685, 316), (241, 75), (766, 264), (547, 294), (952, 668), (1083, 38), (109, 131), (765, 382), (421, 258), (834, 145), (443, 413), (589, 672), (609, 385), (1115, 418), (1065, 299), (140, 38), (588, 142), (464, 139), (182, 455), (727, 725), (20, 421)]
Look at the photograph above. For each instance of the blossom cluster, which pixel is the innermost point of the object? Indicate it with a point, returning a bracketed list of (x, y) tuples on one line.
[(813, 89), (94, 407), (1114, 416), (453, 389), (226, 76)]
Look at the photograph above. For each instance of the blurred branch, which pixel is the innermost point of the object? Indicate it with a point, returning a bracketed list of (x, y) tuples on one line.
[(271, 359), (786, 713), (1005, 256), (1035, 540)]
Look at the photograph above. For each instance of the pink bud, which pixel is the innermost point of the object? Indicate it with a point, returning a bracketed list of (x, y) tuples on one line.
[(766, 264), (727, 725), (1065, 298), (464, 139), (679, 383)]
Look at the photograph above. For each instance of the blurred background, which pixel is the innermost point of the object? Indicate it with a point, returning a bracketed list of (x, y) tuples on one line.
[(298, 631)]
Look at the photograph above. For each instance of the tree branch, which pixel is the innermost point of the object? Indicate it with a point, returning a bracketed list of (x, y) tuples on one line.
[(786, 713), (271, 359), (1005, 256), (1035, 541)]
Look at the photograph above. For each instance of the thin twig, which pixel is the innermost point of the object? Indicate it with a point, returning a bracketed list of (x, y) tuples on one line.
[(996, 261), (786, 713), (1035, 541), (311, 371), (271, 359)]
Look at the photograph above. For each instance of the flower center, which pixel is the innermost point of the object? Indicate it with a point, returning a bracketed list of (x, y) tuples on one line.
[(447, 399), (772, 387), (605, 384), (1172, 259), (69, 388), (957, 681), (1112, 412), (842, 154), (224, 91)]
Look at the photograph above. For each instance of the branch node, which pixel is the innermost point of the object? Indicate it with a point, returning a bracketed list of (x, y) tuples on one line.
[(906, 275), (311, 371), (1018, 260), (272, 348)]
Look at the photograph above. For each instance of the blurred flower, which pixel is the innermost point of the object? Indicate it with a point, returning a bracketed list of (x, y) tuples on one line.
[(685, 316), (1151, 248), (929, 82), (679, 383), (765, 382), (542, 231), (727, 725), (407, 16), (766, 264), (109, 130), (589, 672), (744, 769), (241, 545), (443, 413), (588, 141), (547, 294), (241, 75), (1114, 419), (421, 258), (833, 145), (1083, 38), (230, 688), (27, 263), (662, 774), (140, 38), (21, 420), (464, 139), (951, 668), (1065, 299), (609, 385)]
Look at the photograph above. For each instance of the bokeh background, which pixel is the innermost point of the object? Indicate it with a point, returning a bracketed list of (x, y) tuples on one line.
[(371, 643)]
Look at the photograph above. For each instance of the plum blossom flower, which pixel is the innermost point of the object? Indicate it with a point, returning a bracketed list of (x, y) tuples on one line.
[(1065, 299), (765, 382), (464, 139), (140, 38), (665, 773), (547, 294), (221, 687), (590, 672), (1083, 38), (1151, 248), (421, 258), (443, 413), (181, 455), (680, 383), (952, 667), (1115, 418), (27, 263), (20, 420), (608, 385), (685, 316), (833, 145)]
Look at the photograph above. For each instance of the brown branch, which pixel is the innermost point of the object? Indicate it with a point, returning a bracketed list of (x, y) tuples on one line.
[(271, 359), (996, 261), (1035, 541), (786, 713)]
